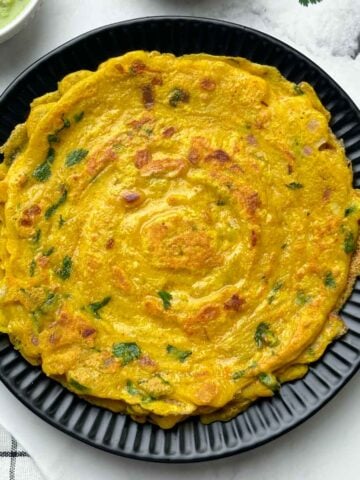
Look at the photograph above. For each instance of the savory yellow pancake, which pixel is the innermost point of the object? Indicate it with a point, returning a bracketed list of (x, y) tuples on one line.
[(177, 234)]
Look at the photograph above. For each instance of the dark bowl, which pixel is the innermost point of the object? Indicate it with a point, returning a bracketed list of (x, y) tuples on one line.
[(266, 419)]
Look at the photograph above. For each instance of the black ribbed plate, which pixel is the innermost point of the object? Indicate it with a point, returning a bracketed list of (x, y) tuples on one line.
[(266, 419)]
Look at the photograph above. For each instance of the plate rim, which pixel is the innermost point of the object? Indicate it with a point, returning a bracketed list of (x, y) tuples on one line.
[(271, 435)]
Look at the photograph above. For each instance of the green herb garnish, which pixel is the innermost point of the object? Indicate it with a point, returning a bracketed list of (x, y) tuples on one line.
[(49, 251), (329, 280), (53, 138), (127, 351), (78, 386), (294, 185), (52, 209), (306, 3), (44, 307), (36, 237), (96, 306), (78, 117), (302, 298), (238, 374), (64, 271), (298, 90), (180, 355), (276, 288), (348, 211), (75, 157), (43, 171), (61, 221), (264, 337), (349, 242), (32, 267), (130, 387), (269, 380), (166, 298), (178, 95)]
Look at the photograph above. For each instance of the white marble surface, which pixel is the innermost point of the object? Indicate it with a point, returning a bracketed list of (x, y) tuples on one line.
[(326, 446)]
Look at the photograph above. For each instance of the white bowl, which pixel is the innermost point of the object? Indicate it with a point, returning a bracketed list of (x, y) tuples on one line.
[(20, 21)]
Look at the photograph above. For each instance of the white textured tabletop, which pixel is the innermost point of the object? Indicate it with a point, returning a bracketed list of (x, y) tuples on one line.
[(327, 445)]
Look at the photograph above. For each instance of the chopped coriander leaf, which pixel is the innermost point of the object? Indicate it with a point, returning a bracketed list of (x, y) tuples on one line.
[(147, 398), (78, 386), (64, 271), (276, 288), (52, 209), (166, 298), (78, 117), (49, 251), (126, 351), (180, 355), (66, 123), (45, 306), (130, 387), (269, 380), (43, 171), (264, 337), (348, 211), (36, 237), (302, 298), (53, 138), (349, 242), (298, 90), (178, 95), (238, 374), (294, 185), (61, 221), (96, 306), (329, 280), (75, 157), (32, 267)]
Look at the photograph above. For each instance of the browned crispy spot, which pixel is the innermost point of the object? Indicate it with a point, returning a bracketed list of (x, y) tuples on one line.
[(120, 280), (137, 67), (326, 146), (327, 193), (148, 96), (33, 210), (110, 244), (251, 140), (169, 167), (234, 303), (206, 393), (66, 330), (193, 156), (137, 124), (168, 132), (119, 68), (35, 340), (26, 222), (290, 169), (146, 361), (253, 240), (218, 155), (99, 160), (43, 261), (208, 84), (87, 332), (27, 219), (142, 158), (157, 81), (252, 202), (197, 324)]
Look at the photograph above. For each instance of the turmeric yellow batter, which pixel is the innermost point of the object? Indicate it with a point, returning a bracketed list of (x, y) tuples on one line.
[(176, 234)]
